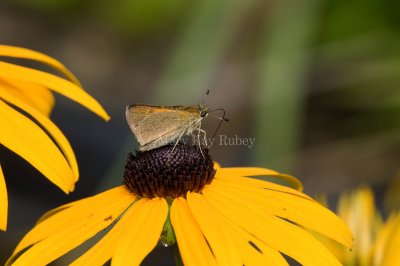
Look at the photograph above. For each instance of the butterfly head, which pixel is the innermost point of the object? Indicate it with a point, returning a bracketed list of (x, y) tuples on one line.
[(203, 111)]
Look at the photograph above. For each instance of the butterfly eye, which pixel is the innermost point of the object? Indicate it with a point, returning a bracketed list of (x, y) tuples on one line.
[(203, 113)]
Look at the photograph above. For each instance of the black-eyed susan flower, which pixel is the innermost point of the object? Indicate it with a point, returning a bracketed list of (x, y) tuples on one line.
[(26, 101), (217, 216), (375, 242)]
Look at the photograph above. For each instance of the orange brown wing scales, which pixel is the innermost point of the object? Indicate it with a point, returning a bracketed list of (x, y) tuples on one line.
[(155, 126)]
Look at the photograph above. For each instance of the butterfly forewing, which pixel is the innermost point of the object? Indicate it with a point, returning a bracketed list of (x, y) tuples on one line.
[(151, 123)]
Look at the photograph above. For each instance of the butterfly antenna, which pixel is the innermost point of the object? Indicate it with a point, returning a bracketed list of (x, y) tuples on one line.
[(222, 119), (204, 97)]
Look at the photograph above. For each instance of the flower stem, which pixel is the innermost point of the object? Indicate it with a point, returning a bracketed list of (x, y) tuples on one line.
[(167, 237)]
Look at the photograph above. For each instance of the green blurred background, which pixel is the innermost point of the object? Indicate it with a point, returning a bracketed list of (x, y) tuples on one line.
[(316, 82)]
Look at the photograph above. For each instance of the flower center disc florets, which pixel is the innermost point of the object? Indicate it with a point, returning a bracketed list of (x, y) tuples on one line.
[(168, 172)]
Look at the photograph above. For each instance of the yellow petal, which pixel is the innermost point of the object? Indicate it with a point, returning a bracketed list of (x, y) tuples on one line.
[(296, 209), (389, 239), (35, 95), (29, 141), (88, 219), (252, 250), (19, 52), (382, 240), (57, 84), (212, 223), (247, 171), (49, 126), (72, 213), (248, 181), (143, 232), (53, 212), (358, 210), (257, 171), (103, 250), (3, 202), (193, 247), (281, 235)]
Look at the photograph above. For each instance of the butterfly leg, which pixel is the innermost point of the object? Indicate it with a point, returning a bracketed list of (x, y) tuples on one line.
[(177, 141), (202, 131), (199, 131), (204, 136)]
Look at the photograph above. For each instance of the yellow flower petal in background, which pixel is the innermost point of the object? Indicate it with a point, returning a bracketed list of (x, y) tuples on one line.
[(34, 95), (383, 239), (57, 84), (192, 245), (49, 126), (388, 243), (375, 242), (20, 52), (28, 140), (3, 202), (357, 209), (30, 91)]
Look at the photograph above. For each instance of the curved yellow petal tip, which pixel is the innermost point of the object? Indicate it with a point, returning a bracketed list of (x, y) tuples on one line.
[(58, 84), (28, 140), (22, 52), (106, 117), (263, 174), (102, 113), (216, 165), (71, 188)]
